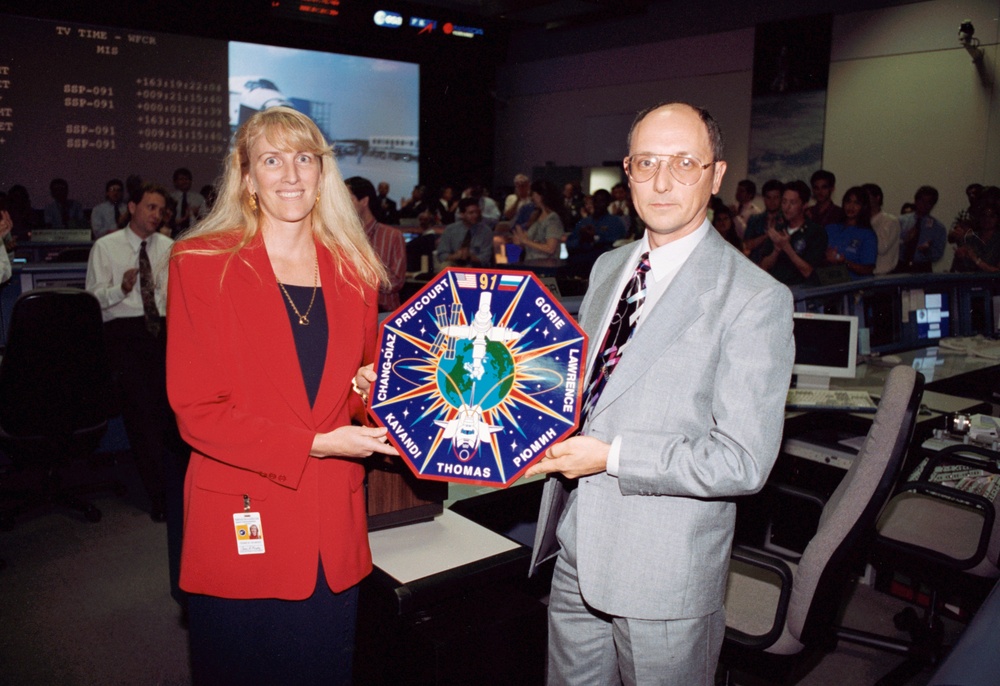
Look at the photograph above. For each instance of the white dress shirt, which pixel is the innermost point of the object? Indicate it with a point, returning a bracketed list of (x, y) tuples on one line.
[(887, 230), (109, 259), (664, 263), (196, 205), (102, 218)]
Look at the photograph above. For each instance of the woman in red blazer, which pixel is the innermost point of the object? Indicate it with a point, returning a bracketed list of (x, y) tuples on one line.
[(272, 309)]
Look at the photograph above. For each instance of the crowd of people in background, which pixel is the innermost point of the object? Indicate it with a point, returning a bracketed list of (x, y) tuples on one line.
[(795, 231), (184, 207), (821, 242)]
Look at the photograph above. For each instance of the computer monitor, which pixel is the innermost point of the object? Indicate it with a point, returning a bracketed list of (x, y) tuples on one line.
[(980, 319), (934, 318), (883, 319), (826, 346)]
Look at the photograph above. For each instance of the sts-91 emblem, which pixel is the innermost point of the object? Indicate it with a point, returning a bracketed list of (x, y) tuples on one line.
[(478, 374)]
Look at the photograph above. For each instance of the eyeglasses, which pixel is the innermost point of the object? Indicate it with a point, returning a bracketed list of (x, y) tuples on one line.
[(644, 166)]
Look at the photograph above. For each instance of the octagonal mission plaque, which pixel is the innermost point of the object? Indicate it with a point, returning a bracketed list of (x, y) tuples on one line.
[(478, 374)]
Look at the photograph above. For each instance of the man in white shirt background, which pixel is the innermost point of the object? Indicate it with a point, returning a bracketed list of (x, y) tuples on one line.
[(886, 227), (190, 204), (518, 199), (127, 272), (106, 216)]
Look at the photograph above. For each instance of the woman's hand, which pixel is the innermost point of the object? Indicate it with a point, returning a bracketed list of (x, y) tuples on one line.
[(352, 441), (363, 380)]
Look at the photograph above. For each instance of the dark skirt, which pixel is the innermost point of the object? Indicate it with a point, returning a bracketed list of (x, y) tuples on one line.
[(270, 641)]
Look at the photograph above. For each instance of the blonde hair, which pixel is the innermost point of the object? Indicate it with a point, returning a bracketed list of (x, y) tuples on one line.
[(232, 224)]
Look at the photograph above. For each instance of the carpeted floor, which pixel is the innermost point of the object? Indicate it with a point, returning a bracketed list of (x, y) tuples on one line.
[(84, 603)]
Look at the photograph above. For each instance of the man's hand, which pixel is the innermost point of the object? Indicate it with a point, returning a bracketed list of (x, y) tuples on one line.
[(778, 238), (129, 279), (575, 457)]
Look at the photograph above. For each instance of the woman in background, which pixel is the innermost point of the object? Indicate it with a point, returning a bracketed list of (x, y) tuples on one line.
[(543, 238), (853, 243), (262, 393)]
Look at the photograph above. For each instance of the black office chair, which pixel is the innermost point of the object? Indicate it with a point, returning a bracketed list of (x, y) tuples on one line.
[(777, 608), (942, 531), (55, 396)]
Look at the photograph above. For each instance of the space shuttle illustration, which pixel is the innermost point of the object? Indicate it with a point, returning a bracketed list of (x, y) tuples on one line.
[(468, 429)]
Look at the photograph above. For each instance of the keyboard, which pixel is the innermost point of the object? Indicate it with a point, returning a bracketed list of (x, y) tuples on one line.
[(840, 400)]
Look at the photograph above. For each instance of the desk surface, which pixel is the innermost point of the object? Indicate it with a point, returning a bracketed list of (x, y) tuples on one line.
[(413, 552), (424, 564), (937, 365)]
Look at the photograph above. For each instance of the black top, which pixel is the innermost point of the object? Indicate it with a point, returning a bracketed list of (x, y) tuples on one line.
[(311, 340)]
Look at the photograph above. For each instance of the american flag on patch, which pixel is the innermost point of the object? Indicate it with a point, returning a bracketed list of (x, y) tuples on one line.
[(510, 283), (466, 281)]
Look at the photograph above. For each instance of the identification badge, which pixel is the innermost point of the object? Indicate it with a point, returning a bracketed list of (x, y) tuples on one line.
[(249, 534)]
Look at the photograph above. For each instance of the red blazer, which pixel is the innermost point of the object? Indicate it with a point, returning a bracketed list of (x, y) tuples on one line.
[(234, 381)]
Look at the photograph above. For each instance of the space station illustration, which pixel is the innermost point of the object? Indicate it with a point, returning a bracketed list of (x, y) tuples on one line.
[(477, 374)]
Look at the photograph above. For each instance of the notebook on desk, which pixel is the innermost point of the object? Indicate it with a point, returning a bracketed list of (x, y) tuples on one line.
[(834, 399)]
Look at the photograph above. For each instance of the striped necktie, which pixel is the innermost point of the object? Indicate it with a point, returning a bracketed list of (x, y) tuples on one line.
[(618, 335), (147, 289)]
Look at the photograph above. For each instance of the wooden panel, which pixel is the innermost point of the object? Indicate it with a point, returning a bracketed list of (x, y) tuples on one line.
[(396, 496)]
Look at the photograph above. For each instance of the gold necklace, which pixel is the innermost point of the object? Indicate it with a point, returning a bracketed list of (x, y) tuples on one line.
[(303, 318)]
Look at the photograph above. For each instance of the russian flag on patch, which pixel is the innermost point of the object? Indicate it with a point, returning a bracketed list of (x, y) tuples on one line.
[(510, 282), (466, 281)]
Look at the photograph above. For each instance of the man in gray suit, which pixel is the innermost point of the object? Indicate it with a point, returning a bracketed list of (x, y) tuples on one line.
[(639, 510)]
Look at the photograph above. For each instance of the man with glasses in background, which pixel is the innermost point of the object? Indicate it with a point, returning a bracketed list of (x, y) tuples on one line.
[(677, 420)]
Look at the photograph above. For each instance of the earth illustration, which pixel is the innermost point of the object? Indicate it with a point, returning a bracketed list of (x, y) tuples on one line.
[(455, 382)]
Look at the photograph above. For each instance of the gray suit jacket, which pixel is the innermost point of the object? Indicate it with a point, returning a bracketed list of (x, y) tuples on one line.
[(698, 400)]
